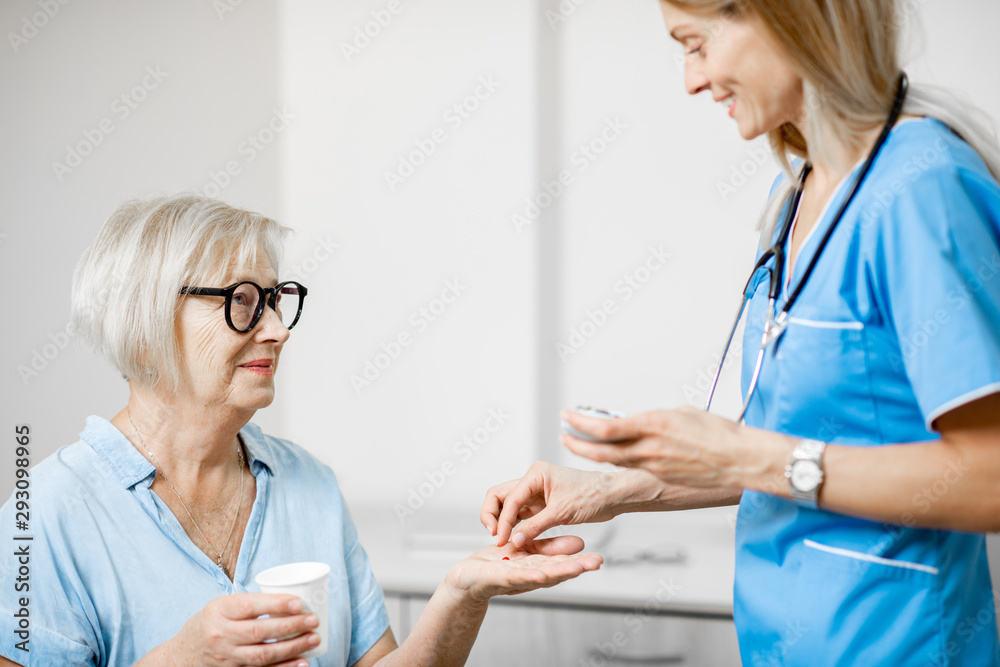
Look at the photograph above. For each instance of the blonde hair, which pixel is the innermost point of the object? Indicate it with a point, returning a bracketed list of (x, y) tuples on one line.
[(126, 285), (847, 54)]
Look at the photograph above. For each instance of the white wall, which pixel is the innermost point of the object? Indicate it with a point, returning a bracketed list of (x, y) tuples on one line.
[(218, 83), (402, 242)]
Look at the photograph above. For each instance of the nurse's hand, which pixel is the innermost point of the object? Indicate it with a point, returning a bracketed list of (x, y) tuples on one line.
[(227, 633), (546, 497), (541, 564), (684, 446)]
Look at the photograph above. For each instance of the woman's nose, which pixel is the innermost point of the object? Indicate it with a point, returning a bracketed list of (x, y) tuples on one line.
[(270, 327), (695, 80)]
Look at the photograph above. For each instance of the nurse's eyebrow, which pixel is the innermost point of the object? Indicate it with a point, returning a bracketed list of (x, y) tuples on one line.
[(678, 37)]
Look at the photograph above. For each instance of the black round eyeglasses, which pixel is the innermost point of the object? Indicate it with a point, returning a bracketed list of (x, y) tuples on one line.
[(245, 302)]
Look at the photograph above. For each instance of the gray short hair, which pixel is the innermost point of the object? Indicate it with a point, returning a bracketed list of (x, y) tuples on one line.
[(125, 288)]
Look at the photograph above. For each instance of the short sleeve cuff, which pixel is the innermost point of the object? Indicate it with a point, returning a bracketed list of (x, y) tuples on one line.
[(959, 401), (47, 648), (370, 621)]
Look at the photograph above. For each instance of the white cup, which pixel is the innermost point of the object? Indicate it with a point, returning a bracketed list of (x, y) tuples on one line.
[(309, 582)]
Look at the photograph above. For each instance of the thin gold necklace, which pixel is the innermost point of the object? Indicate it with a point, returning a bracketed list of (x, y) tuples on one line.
[(239, 505)]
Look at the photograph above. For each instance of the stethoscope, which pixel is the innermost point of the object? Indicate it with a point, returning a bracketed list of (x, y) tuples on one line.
[(774, 326)]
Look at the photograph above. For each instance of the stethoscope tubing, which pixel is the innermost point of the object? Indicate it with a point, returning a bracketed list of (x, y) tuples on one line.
[(774, 326), (897, 108)]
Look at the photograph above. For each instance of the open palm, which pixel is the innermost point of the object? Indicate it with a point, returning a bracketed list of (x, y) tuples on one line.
[(509, 570)]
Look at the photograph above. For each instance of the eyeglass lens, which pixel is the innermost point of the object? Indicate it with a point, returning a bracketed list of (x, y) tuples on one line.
[(246, 305)]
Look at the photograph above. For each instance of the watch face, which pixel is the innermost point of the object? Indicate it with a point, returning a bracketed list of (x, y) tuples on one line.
[(806, 476)]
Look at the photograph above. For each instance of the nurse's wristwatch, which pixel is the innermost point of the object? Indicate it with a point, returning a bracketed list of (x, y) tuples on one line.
[(805, 472)]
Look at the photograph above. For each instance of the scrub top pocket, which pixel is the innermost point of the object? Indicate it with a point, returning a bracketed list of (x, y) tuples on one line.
[(863, 609), (817, 359)]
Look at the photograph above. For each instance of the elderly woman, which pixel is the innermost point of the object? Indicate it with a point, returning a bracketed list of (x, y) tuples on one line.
[(150, 529)]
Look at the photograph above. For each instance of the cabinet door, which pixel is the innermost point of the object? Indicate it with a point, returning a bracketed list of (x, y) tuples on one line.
[(529, 636)]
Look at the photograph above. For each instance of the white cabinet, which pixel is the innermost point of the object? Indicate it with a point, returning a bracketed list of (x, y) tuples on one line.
[(530, 635)]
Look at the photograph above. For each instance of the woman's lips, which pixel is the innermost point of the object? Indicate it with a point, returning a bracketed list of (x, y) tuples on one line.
[(260, 366)]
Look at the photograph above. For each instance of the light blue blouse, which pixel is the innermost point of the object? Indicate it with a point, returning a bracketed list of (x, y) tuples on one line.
[(898, 324), (113, 574)]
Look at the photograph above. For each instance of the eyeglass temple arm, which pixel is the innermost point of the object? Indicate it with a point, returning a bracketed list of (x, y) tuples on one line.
[(203, 291)]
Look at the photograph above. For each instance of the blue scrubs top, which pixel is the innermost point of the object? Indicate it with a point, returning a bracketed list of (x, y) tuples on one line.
[(898, 324), (112, 574)]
